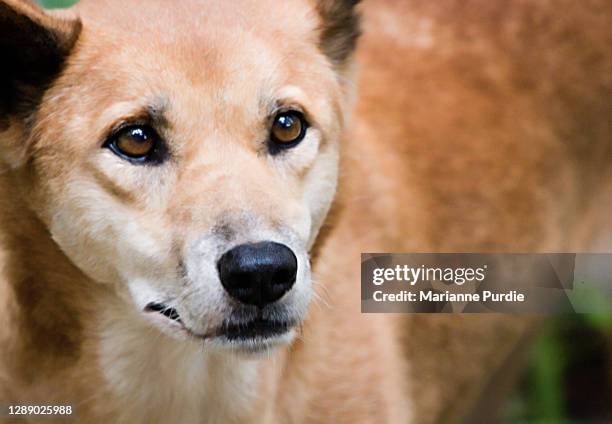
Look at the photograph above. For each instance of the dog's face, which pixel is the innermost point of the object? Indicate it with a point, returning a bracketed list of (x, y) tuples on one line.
[(187, 155)]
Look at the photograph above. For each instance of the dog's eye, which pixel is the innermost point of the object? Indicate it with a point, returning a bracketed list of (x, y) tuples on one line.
[(288, 129), (136, 144)]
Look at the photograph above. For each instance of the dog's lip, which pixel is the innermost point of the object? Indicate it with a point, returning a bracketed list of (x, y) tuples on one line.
[(252, 330), (163, 309)]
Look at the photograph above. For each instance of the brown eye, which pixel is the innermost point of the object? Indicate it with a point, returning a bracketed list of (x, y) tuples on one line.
[(288, 128), (136, 144)]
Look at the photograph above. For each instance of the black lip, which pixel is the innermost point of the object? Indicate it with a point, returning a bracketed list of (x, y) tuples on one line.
[(163, 309), (256, 329)]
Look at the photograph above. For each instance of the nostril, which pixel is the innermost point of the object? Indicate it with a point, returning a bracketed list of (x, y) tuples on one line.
[(258, 273)]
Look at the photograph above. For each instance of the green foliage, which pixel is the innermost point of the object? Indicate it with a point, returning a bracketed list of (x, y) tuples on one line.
[(56, 4), (546, 378)]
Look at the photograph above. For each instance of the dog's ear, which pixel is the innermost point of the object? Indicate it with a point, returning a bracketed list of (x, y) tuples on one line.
[(33, 48), (340, 28)]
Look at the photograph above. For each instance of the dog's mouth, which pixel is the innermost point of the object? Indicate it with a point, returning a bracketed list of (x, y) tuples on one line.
[(255, 329), (251, 332), (165, 310)]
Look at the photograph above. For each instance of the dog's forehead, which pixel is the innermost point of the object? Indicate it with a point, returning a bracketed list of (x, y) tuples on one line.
[(164, 20), (239, 45)]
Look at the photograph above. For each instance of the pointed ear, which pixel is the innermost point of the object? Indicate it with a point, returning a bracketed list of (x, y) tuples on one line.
[(340, 28), (33, 48)]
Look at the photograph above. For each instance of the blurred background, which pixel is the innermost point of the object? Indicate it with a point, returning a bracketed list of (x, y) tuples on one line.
[(568, 377)]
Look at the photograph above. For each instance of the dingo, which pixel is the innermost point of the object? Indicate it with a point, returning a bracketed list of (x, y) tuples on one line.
[(166, 167)]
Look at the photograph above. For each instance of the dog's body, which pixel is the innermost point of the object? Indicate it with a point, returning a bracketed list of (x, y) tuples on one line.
[(456, 144)]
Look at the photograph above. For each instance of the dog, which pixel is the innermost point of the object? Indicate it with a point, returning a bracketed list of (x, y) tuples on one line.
[(169, 173)]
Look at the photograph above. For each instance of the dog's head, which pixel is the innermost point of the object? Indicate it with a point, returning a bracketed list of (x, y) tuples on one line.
[(184, 152)]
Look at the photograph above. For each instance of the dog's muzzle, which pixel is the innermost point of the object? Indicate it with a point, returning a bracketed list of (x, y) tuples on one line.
[(259, 313)]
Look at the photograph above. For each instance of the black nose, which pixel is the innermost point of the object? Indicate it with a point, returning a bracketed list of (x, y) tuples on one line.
[(258, 273)]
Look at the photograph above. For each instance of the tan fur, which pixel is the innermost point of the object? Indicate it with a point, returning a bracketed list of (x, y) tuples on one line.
[(479, 126)]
